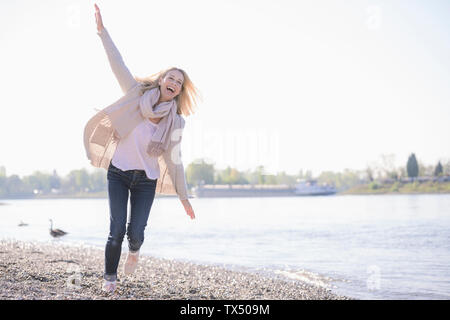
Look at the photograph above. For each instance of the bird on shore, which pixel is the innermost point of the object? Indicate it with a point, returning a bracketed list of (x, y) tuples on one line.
[(56, 232), (22, 224)]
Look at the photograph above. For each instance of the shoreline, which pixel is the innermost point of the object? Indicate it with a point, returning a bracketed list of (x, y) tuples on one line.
[(57, 271), (342, 193)]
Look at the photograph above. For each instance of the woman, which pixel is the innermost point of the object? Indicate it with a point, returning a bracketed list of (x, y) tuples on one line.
[(137, 139)]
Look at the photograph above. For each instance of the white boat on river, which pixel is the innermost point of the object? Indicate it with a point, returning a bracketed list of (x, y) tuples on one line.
[(311, 188)]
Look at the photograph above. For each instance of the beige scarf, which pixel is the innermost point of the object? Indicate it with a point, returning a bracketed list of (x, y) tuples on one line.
[(166, 110), (160, 140)]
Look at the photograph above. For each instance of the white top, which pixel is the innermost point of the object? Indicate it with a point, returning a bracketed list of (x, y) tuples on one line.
[(131, 151)]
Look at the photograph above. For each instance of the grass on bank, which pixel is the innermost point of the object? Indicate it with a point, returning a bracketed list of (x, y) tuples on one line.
[(398, 187)]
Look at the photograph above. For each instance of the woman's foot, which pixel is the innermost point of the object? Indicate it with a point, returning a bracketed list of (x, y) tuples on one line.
[(131, 263), (109, 286)]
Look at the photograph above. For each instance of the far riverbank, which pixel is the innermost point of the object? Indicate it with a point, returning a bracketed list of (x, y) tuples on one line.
[(398, 187), (373, 188)]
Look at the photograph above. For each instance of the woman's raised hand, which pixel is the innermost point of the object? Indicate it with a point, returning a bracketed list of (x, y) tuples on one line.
[(98, 18)]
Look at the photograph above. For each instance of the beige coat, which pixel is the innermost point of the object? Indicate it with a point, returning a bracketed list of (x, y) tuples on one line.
[(100, 138)]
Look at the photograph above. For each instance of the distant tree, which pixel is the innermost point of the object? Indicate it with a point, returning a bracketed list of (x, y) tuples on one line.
[(218, 178), (299, 175), (329, 177), (369, 174), (271, 179), (2, 171), (308, 174), (235, 176), (76, 181), (38, 181), (376, 169), (438, 171), (425, 170), (412, 166), (402, 172), (388, 166), (97, 180), (304, 175), (260, 174), (230, 176), (447, 167), (252, 177), (340, 180), (3, 191), (283, 178), (393, 175), (55, 180), (16, 187), (199, 171), (256, 176)]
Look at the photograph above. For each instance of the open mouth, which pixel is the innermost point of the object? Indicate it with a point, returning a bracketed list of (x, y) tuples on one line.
[(171, 90)]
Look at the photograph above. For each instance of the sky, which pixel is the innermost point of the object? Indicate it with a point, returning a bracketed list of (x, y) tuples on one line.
[(290, 85)]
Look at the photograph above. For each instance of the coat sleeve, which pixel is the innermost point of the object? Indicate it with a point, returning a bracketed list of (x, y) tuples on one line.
[(120, 70), (175, 166)]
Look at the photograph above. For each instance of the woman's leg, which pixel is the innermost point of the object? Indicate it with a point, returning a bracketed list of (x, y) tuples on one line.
[(141, 200), (118, 202)]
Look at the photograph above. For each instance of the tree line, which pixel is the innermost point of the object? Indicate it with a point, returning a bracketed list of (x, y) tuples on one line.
[(200, 172)]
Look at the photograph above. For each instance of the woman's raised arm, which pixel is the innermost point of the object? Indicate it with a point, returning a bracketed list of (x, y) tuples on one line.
[(120, 70)]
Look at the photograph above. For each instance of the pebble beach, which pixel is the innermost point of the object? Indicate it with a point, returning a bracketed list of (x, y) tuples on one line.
[(57, 271)]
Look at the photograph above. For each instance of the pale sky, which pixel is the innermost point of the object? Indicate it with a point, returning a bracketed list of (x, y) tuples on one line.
[(312, 85)]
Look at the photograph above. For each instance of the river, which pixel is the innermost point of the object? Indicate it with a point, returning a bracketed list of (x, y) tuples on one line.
[(362, 246)]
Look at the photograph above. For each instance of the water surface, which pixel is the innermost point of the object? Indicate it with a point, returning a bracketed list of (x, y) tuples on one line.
[(363, 246)]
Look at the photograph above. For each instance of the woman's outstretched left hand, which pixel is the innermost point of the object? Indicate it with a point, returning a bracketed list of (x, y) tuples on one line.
[(188, 208)]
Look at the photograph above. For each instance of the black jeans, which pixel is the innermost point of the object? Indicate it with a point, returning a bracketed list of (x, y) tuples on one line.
[(142, 193)]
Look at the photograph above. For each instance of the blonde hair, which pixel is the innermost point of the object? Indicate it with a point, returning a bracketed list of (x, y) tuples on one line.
[(186, 99)]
